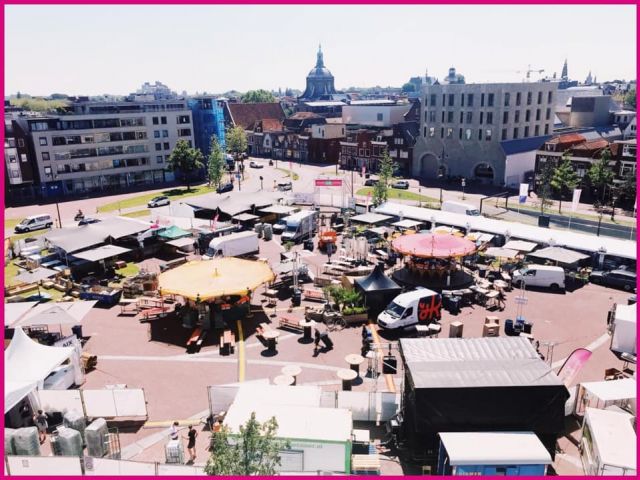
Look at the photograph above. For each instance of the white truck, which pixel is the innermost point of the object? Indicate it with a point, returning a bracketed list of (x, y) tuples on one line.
[(299, 226), (418, 306), (459, 207), (233, 245)]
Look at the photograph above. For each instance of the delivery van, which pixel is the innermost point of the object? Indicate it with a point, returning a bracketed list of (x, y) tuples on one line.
[(34, 222), (299, 226), (418, 306), (459, 207), (233, 245), (544, 276)]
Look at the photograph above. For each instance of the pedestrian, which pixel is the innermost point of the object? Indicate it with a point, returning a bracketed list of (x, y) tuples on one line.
[(42, 424), (25, 414), (173, 431), (191, 442)]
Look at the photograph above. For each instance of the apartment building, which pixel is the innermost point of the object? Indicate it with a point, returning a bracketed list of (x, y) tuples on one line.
[(107, 146), (462, 127)]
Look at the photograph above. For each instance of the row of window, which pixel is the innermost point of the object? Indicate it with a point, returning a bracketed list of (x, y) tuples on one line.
[(64, 168), (488, 99), (467, 134), (485, 117), (93, 138), (96, 152), (104, 123)]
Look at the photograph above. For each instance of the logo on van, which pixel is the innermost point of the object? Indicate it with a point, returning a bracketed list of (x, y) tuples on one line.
[(429, 311)]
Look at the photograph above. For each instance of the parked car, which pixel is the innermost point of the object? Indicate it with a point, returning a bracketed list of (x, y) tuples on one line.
[(88, 221), (285, 186), (159, 202), (253, 164), (401, 185), (34, 222), (226, 187), (370, 182), (616, 278)]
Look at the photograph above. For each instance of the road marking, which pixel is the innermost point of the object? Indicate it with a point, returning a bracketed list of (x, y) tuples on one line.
[(388, 377), (241, 363)]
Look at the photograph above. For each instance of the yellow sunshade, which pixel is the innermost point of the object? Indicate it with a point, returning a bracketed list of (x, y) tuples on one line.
[(215, 278)]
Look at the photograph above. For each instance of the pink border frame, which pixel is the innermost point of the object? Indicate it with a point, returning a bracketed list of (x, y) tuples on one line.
[(292, 2)]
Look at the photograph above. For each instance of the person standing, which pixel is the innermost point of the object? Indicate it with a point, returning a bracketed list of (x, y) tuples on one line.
[(41, 422), (191, 442), (173, 431)]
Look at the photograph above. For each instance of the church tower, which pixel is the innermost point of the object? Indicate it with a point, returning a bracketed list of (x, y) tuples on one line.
[(320, 82)]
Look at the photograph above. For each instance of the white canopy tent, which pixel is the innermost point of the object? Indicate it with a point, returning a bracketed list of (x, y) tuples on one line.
[(62, 313), (501, 252), (26, 364), (520, 245), (15, 311)]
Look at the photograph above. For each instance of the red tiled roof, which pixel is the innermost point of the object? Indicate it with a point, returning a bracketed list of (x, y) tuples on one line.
[(592, 145), (304, 116), (568, 138), (246, 114), (271, 124)]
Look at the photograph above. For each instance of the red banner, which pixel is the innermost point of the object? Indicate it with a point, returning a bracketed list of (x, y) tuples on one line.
[(329, 182)]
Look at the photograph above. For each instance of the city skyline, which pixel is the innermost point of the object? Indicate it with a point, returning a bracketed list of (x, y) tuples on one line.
[(220, 48)]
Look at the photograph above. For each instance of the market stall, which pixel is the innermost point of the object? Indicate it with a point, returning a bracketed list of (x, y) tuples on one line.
[(604, 394), (377, 289), (559, 256)]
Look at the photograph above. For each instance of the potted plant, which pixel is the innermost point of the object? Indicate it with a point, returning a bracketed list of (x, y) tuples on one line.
[(349, 302)]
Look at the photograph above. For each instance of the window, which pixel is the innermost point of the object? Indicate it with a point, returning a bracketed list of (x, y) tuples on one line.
[(467, 134), (165, 133), (156, 134), (45, 156), (432, 116), (379, 117), (13, 159), (444, 99), (536, 130), (460, 134), (515, 133), (425, 116), (442, 117), (549, 97), (546, 129), (480, 134), (461, 117), (529, 95), (47, 170), (482, 99), (450, 117), (43, 141), (182, 119), (505, 117), (449, 132), (539, 98), (504, 134), (488, 135), (159, 159), (537, 114), (39, 126), (518, 97), (548, 115), (481, 117), (489, 118), (166, 145), (163, 120), (470, 99), (432, 132), (462, 100), (20, 142), (158, 147), (469, 117), (526, 131), (23, 157), (527, 115), (442, 132), (424, 132), (155, 120), (432, 100), (490, 99), (517, 119), (451, 96), (507, 99)]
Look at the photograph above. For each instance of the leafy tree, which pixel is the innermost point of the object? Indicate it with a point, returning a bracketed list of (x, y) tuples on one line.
[(630, 99), (600, 174), (408, 87), (564, 179), (385, 177), (185, 159), (258, 96), (215, 167), (628, 189), (255, 451), (236, 142), (545, 184)]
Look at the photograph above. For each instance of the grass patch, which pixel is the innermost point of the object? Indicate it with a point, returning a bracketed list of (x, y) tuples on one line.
[(11, 222), (10, 272), (129, 271), (142, 200), (137, 213), (395, 193), (290, 173)]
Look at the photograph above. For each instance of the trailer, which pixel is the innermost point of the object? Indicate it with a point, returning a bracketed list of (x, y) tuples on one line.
[(233, 245)]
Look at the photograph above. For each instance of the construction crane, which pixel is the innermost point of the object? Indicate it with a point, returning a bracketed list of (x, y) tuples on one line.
[(529, 71)]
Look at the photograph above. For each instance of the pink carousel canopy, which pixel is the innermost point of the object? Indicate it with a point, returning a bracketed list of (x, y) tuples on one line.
[(428, 245)]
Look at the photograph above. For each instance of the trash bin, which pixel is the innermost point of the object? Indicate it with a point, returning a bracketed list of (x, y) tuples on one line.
[(296, 298), (528, 326), (454, 305), (508, 328), (77, 331), (308, 245), (543, 221), (267, 231)]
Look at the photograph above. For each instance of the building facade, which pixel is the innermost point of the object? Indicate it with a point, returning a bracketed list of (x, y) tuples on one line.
[(374, 113), (108, 146), (324, 143), (21, 175), (208, 120), (462, 126), (362, 148)]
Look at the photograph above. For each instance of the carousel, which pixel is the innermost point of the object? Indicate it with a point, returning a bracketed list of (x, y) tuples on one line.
[(215, 291), (433, 260)]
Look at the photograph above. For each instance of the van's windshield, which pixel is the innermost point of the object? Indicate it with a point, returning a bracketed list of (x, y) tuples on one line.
[(292, 228), (25, 221), (395, 310), (473, 213)]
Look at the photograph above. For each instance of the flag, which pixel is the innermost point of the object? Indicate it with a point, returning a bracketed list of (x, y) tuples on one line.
[(573, 365), (524, 192), (576, 199)]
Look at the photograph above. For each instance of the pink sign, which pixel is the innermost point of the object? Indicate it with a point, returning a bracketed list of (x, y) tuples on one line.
[(329, 182), (573, 365)]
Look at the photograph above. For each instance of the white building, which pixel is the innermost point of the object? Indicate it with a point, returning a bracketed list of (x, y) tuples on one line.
[(374, 113)]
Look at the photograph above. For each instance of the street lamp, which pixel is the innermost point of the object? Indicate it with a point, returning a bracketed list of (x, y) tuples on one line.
[(261, 179), (440, 177), (54, 176), (464, 183)]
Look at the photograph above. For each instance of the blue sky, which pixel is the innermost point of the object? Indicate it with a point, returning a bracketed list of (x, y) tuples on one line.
[(114, 49)]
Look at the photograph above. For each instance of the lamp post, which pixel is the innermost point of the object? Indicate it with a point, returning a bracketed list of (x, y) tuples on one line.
[(54, 176), (261, 179), (464, 183)]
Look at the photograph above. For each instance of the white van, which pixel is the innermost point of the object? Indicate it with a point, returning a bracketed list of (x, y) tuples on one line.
[(540, 276), (459, 207), (418, 306), (34, 222), (233, 245)]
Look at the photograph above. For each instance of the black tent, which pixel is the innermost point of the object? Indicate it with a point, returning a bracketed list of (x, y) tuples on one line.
[(378, 290), (478, 384)]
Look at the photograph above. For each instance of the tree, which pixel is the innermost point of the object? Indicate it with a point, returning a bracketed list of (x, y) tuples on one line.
[(258, 96), (628, 189), (236, 142), (600, 175), (545, 184), (185, 159), (630, 99), (408, 87), (385, 177), (255, 451), (215, 167), (563, 179)]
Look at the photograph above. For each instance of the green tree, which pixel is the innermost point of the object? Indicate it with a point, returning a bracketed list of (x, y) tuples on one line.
[(600, 175), (408, 87), (215, 167), (545, 184), (628, 189), (185, 159), (236, 142), (258, 96), (630, 99), (255, 451), (385, 177), (564, 179)]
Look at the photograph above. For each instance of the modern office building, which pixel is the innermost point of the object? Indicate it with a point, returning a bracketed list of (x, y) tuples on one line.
[(463, 125), (107, 146)]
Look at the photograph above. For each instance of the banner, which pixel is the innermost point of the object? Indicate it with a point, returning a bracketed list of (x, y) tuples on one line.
[(524, 193), (576, 199), (328, 182), (573, 365)]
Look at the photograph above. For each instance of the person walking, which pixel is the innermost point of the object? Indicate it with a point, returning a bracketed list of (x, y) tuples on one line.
[(316, 341), (191, 442), (41, 422), (173, 431)]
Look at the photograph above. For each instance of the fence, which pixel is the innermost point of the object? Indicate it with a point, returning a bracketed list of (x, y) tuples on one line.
[(108, 403)]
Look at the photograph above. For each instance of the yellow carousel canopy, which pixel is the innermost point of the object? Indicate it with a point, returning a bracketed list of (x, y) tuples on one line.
[(215, 278)]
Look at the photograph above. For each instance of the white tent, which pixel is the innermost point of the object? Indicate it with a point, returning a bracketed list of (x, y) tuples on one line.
[(15, 311), (623, 339), (61, 313), (27, 363)]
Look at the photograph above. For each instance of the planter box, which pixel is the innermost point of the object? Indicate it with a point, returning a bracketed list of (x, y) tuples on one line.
[(356, 318)]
